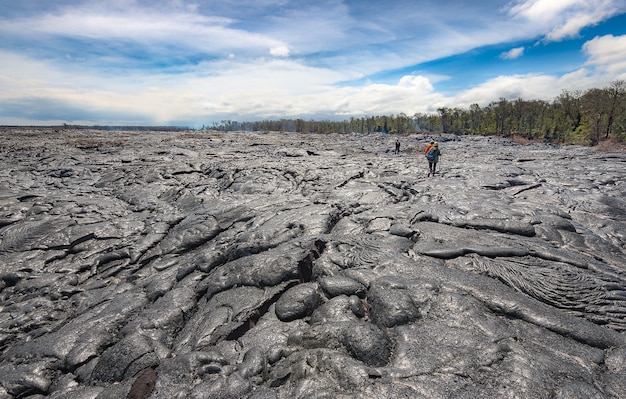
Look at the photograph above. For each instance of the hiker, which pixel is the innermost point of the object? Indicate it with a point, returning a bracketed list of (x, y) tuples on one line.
[(397, 151), (432, 155)]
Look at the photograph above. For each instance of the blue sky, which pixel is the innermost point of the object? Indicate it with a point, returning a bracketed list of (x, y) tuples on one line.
[(191, 63)]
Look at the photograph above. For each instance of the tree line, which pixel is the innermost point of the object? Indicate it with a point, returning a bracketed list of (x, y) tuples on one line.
[(573, 117)]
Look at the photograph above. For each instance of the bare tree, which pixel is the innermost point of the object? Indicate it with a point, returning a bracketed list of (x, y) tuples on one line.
[(616, 94)]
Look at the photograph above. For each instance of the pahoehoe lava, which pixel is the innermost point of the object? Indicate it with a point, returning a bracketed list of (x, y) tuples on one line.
[(280, 265)]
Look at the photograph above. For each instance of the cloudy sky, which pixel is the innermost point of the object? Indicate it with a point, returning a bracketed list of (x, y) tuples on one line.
[(189, 63)]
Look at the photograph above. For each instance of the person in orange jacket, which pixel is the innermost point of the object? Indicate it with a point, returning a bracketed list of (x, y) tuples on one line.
[(428, 147)]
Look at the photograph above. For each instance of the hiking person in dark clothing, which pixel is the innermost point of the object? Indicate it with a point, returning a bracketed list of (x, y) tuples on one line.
[(432, 155), (397, 151)]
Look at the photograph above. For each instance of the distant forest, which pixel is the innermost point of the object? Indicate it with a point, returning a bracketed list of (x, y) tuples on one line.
[(574, 117)]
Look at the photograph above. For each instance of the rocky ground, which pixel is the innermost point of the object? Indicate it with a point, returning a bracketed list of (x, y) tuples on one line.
[(213, 265)]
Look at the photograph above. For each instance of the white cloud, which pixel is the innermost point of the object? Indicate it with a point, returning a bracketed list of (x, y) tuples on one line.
[(510, 87), (572, 26), (560, 19), (546, 10), (607, 53), (240, 89), (527, 87), (280, 51), (412, 94), (370, 41), (512, 53), (271, 88), (185, 30)]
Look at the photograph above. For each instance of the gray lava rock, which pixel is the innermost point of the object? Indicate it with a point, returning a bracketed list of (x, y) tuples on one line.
[(339, 285), (390, 303), (298, 302), (203, 264)]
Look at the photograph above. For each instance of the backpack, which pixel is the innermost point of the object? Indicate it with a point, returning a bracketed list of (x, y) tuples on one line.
[(431, 154)]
